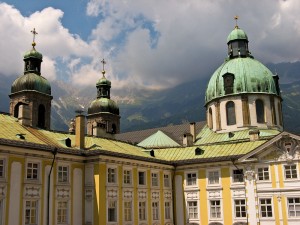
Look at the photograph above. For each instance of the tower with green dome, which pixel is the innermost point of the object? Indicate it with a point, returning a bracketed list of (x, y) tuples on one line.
[(103, 118), (242, 82), (30, 98)]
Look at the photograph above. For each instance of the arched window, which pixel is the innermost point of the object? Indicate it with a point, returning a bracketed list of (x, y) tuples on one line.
[(228, 80), (210, 118), (260, 111), (41, 116), (230, 113), (16, 110)]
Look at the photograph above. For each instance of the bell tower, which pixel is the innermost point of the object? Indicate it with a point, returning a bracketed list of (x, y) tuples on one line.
[(30, 98)]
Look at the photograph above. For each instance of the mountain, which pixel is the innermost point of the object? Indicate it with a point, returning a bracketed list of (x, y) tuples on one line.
[(142, 109)]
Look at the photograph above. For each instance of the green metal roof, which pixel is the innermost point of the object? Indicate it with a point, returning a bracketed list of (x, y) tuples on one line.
[(158, 140), (207, 136), (103, 81), (237, 34), (209, 151), (33, 54), (31, 82), (250, 76), (103, 105)]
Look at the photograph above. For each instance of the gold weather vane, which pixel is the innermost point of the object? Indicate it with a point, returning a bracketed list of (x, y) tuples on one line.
[(34, 34), (236, 19), (103, 63)]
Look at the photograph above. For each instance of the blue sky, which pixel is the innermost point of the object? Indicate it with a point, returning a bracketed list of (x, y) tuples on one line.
[(147, 44)]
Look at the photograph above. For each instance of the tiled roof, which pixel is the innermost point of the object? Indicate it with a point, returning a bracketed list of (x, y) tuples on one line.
[(175, 132), (207, 136), (207, 152), (158, 140)]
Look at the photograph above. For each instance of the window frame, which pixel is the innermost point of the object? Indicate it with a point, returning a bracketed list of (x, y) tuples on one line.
[(65, 210), (167, 180), (155, 210), (263, 173), (209, 177), (127, 177), (236, 178), (2, 168), (260, 112), (213, 208), (155, 179), (291, 171), (142, 211), (193, 209), (295, 205), (112, 178), (241, 208), (62, 181), (36, 211), (169, 212), (230, 113), (111, 202), (144, 183), (193, 180), (38, 168), (128, 217), (267, 206)]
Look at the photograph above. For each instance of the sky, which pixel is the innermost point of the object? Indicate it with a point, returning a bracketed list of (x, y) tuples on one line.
[(147, 44)]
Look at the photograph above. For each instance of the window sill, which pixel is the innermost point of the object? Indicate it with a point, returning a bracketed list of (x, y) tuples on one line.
[(214, 187)]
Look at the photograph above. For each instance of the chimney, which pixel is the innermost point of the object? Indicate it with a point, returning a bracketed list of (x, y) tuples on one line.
[(79, 131), (254, 135), (187, 140), (24, 115), (193, 130)]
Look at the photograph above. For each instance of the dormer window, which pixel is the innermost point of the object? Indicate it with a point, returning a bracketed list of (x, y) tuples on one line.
[(228, 79)]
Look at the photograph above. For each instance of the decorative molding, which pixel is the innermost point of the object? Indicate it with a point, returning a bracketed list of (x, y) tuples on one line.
[(2, 191), (238, 193), (89, 194), (112, 193), (214, 194), (32, 191), (63, 192), (288, 148), (168, 195), (192, 195), (142, 194), (127, 194), (249, 173), (155, 195)]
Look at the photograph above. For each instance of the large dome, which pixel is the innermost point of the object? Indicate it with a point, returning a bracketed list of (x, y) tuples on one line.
[(31, 82), (103, 105), (250, 76)]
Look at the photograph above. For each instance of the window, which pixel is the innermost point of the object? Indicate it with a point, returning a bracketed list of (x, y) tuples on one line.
[(290, 171), (127, 177), (265, 207), (238, 176), (228, 80), (294, 207), (210, 119), (63, 174), (191, 179), (31, 212), (263, 173), (167, 210), (112, 211), (62, 212), (193, 209), (32, 171), (260, 111), (111, 175), (142, 210), (213, 177), (166, 180), (230, 113), (1, 211), (154, 179), (215, 209), (142, 178), (240, 208), (127, 210), (2, 168), (155, 211)]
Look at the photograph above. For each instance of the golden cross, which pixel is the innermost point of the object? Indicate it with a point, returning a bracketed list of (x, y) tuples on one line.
[(103, 63), (34, 33), (236, 19)]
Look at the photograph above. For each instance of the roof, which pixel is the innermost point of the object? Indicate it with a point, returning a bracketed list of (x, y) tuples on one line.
[(209, 137), (158, 140), (101, 105), (33, 54), (175, 132), (237, 34), (250, 76)]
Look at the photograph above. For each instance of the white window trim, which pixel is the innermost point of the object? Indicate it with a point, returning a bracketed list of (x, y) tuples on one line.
[(259, 208), (207, 177), (38, 211), (232, 179), (146, 211), (68, 211), (211, 219), (145, 178), (290, 179), (234, 208), (157, 177), (131, 177), (3, 178), (287, 203), (171, 210), (69, 174), (263, 181), (117, 211), (159, 216), (198, 210), (169, 180), (116, 175), (38, 180), (132, 211), (186, 179)]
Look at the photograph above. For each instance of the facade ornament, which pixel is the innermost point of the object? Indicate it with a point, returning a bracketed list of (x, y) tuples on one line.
[(287, 147), (249, 173)]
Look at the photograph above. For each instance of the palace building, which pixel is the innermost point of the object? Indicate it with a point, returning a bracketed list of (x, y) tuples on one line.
[(238, 167)]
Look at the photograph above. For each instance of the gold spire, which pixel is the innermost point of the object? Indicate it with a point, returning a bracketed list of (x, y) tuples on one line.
[(103, 63), (34, 34), (236, 19)]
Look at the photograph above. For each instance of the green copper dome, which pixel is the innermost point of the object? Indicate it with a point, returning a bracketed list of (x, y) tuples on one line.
[(33, 54), (31, 82), (103, 105), (103, 81), (249, 76), (237, 34)]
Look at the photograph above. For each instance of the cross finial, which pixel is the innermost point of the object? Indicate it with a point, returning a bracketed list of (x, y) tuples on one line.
[(236, 19), (34, 34), (103, 63)]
